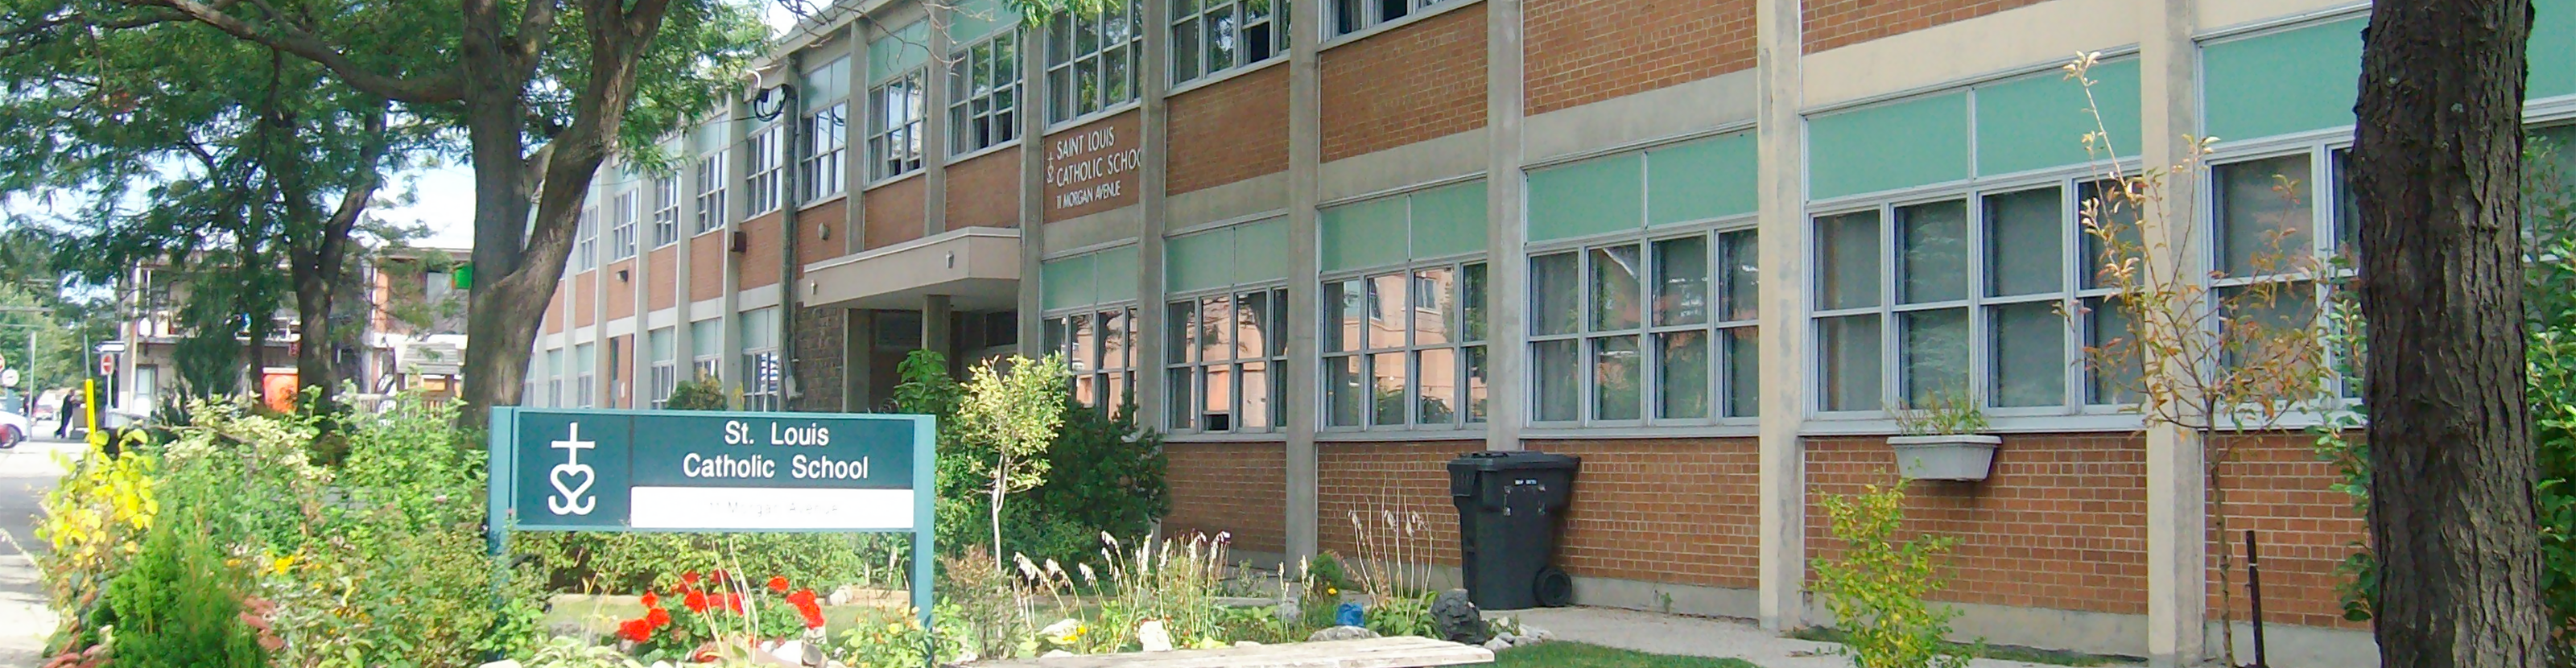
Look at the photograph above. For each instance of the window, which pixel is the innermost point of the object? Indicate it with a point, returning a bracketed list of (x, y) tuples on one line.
[(711, 192), (706, 349), (585, 245), (1404, 349), (1100, 354), (766, 159), (1350, 16), (621, 231), (583, 369), (1658, 330), (662, 344), (666, 210), (983, 94), (1092, 62), (1212, 36), (2265, 256), (761, 374), (826, 140), (554, 396), (894, 126), (1228, 353)]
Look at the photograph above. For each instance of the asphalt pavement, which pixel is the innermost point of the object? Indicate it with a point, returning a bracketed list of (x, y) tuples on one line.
[(26, 473)]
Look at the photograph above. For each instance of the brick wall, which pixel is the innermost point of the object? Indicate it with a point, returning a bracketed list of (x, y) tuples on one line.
[(893, 213), (811, 247), (1681, 511), (663, 265), (555, 308), (1237, 488), (621, 294), (1584, 51), (1409, 480), (1416, 82), (760, 257), (2276, 486), (707, 265), (585, 293), (1229, 131), (985, 191), (818, 358), (2060, 523), (1832, 23)]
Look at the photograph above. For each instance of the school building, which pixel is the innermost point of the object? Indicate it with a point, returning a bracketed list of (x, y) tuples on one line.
[(1328, 245)]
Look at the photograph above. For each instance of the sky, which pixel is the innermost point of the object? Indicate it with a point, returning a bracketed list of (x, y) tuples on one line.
[(445, 202)]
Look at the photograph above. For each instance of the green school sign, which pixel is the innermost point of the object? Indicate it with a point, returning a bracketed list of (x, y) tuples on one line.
[(714, 472)]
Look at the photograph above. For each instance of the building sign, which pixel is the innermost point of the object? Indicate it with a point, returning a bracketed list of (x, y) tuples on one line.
[(1092, 168), (705, 471)]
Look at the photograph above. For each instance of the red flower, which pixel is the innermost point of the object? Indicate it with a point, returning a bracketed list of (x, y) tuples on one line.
[(689, 579), (778, 584), (658, 617), (733, 602), (716, 576), (696, 601), (636, 630), (652, 601), (813, 614), (801, 597)]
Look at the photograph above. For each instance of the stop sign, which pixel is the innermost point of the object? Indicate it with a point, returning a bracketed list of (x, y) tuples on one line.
[(107, 364)]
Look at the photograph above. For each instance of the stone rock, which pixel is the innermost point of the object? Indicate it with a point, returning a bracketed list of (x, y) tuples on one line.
[(663, 664), (840, 596), (1246, 643), (792, 652), (1497, 645), (1455, 618), (504, 663), (1508, 638), (1055, 654), (1539, 635), (1287, 611), (1152, 636), (1341, 633)]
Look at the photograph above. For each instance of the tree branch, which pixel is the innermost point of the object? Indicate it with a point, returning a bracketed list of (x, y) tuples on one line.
[(429, 90)]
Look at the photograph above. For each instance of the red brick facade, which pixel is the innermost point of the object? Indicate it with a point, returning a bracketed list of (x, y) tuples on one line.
[(1832, 23), (1410, 84), (984, 192), (707, 265), (811, 247), (1371, 483), (2276, 486), (1680, 511), (893, 213), (620, 300), (1585, 51), (662, 264), (1229, 131), (585, 294), (555, 307), (759, 259), (1236, 488)]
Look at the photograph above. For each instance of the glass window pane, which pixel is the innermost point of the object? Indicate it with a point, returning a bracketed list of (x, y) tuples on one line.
[(2263, 215), (1278, 327), (1933, 240), (1185, 50), (1616, 383), (2260, 324), (1277, 399), (1847, 260), (1216, 394), (1216, 328), (1180, 405), (1681, 281), (1614, 288), (1436, 383), (1252, 325), (1181, 331), (2024, 242), (2347, 207), (1343, 391), (1341, 310), (2111, 354), (1086, 389), (1556, 294), (1115, 351), (1471, 301), (1116, 386), (1256, 397), (1475, 371), (1743, 371), (2029, 350), (1935, 354), (1851, 362), (1387, 383), (1681, 375), (1058, 340), (1559, 389), (1742, 264), (2100, 210), (1219, 40), (1433, 290), (1388, 312), (1086, 345)]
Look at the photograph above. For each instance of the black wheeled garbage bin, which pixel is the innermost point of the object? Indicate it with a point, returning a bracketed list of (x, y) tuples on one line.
[(1510, 506)]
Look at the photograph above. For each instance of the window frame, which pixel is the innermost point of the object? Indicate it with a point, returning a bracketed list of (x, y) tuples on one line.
[(1199, 14), (819, 159), (711, 194), (585, 247), (621, 230), (2324, 190), (763, 386), (662, 364), (666, 210), (585, 367), (1058, 336), (885, 130), (1067, 64), (1002, 118), (1715, 326), (1328, 316), (768, 159), (1189, 360), (1336, 28)]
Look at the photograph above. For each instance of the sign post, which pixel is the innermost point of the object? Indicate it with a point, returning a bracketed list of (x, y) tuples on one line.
[(715, 472)]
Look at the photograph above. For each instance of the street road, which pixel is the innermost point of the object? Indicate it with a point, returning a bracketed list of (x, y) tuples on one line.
[(26, 473)]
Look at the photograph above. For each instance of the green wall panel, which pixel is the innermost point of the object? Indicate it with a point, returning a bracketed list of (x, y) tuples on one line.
[(1199, 261), (2039, 121), (1449, 220), (2280, 83), (1261, 251), (908, 48), (2553, 49), (1117, 274), (1366, 234), (1889, 146), (1067, 282), (972, 20), (1705, 179), (1586, 198)]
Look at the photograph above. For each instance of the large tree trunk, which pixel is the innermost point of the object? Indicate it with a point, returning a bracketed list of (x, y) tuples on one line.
[(2438, 175), (315, 367)]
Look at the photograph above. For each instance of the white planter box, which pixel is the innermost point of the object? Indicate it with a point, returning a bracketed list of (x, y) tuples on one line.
[(1945, 457)]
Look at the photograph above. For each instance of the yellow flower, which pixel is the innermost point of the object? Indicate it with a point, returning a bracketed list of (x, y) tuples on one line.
[(280, 566)]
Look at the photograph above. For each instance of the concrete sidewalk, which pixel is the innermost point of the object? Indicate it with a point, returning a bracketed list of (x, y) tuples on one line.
[(26, 473), (1691, 636)]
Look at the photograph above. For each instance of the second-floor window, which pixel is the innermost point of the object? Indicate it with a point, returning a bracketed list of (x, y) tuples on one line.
[(711, 192), (983, 93), (585, 245), (1212, 36), (827, 138), (1350, 16), (1091, 62), (621, 233), (666, 210), (767, 156), (894, 126)]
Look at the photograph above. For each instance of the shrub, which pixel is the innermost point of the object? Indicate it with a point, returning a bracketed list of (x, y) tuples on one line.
[(178, 606), (95, 520), (1877, 589), (702, 394)]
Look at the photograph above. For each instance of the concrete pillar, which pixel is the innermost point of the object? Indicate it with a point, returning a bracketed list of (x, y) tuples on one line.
[(935, 334), (2177, 549), (1305, 153), (854, 154), (934, 124), (683, 345), (738, 127), (1032, 152), (1153, 79), (792, 187), (1785, 371), (1506, 272)]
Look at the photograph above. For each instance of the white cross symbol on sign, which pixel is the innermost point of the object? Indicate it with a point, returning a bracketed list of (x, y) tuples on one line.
[(572, 498)]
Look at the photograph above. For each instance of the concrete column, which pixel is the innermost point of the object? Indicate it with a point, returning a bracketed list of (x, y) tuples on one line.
[(1786, 338), (854, 154), (601, 210), (934, 123), (1305, 157), (2177, 549), (737, 203), (1506, 272), (1153, 79), (791, 183), (935, 334), (1032, 152), (682, 343), (639, 356)]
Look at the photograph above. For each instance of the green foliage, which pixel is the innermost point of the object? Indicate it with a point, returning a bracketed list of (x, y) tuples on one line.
[(1947, 413), (1403, 616), (95, 520), (178, 607), (894, 641), (1012, 417), (701, 394), (571, 652), (1106, 475), (638, 562), (1878, 589), (1578, 655)]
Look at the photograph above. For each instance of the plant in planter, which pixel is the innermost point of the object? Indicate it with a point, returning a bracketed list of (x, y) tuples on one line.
[(1939, 439), (717, 617)]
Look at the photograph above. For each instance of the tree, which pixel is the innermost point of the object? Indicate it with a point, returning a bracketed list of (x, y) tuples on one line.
[(1016, 415), (2437, 162)]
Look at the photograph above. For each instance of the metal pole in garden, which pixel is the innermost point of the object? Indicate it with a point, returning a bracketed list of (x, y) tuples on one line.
[(925, 466)]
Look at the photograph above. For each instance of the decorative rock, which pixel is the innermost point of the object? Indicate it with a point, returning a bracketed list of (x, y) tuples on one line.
[(663, 664), (1246, 643), (1055, 654), (1539, 635), (792, 652), (1287, 611), (504, 663), (1497, 645), (1152, 636), (1508, 638), (1341, 633), (1455, 618)]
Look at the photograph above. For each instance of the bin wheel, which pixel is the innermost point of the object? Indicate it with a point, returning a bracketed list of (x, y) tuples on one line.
[(1553, 587)]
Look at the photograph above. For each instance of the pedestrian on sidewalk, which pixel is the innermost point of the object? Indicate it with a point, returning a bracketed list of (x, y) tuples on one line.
[(71, 411)]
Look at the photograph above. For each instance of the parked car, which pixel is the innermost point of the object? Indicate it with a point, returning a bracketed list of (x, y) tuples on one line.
[(14, 430)]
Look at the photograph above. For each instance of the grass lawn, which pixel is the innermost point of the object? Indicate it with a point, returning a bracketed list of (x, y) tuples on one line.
[(1579, 655)]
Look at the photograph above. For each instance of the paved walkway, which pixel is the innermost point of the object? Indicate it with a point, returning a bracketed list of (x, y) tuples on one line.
[(26, 473), (1693, 636)]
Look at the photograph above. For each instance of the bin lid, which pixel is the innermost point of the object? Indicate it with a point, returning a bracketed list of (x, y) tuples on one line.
[(1506, 460)]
